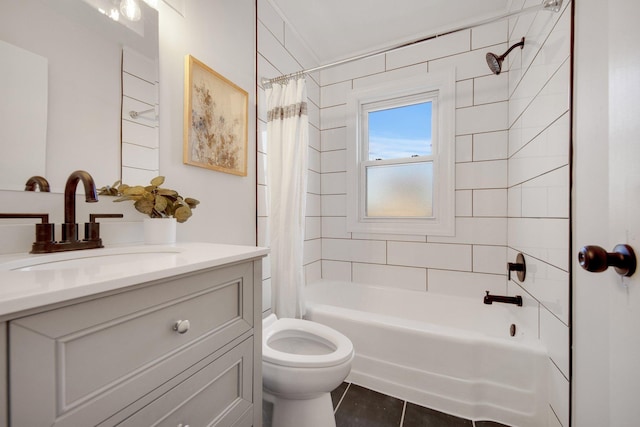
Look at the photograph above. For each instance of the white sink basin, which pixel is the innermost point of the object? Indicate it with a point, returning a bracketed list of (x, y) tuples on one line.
[(94, 258)]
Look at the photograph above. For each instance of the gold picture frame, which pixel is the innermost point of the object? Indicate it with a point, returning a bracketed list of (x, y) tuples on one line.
[(215, 120)]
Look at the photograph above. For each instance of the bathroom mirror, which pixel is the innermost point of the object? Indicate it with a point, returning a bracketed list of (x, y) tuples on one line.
[(81, 50)]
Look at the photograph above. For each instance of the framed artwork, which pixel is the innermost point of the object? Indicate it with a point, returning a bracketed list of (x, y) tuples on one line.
[(215, 120)]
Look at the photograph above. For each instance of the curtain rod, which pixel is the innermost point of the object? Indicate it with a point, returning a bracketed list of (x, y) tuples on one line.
[(551, 5)]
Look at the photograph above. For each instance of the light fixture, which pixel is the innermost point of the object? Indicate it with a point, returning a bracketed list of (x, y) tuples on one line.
[(130, 9)]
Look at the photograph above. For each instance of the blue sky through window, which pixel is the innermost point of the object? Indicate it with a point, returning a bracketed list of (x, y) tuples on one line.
[(400, 132)]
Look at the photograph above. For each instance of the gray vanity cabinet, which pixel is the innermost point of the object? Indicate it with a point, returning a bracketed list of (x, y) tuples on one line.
[(178, 351)]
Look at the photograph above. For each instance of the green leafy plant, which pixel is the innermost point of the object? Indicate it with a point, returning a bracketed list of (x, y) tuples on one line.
[(153, 200)]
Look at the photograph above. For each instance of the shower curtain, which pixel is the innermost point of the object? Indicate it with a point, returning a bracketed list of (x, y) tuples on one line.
[(287, 142)]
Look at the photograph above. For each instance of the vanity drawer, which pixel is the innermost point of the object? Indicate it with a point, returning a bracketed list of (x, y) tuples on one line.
[(80, 364), (217, 395)]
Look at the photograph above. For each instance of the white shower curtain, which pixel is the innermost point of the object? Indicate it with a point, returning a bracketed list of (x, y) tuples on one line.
[(287, 142)]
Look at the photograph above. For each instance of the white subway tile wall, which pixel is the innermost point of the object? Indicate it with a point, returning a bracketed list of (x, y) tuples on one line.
[(464, 203), (440, 47), (489, 34), (489, 259), (491, 89), (558, 394), (490, 145), (538, 186), (390, 275), (464, 93), (463, 284), (512, 173), (464, 148), (485, 174)]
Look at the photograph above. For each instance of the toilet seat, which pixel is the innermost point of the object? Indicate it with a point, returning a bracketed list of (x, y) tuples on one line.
[(304, 329)]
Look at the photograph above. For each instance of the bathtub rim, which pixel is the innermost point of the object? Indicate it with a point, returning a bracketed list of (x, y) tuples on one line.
[(525, 338)]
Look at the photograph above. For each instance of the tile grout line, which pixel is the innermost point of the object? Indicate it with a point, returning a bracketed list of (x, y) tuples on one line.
[(473, 423), (404, 408), (342, 398)]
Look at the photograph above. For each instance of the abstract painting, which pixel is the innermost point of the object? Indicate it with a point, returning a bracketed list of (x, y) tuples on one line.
[(215, 120)]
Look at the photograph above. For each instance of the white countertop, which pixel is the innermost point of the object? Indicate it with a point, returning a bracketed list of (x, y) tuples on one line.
[(30, 281)]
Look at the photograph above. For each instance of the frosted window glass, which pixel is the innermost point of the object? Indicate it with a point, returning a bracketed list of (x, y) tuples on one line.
[(400, 132), (403, 190)]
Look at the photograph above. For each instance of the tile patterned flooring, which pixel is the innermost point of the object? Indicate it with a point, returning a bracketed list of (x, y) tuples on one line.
[(356, 406)]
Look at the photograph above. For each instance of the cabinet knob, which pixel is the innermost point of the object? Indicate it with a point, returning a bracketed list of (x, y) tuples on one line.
[(181, 327)]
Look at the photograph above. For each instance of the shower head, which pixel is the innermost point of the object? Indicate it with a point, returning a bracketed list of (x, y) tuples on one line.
[(495, 62)]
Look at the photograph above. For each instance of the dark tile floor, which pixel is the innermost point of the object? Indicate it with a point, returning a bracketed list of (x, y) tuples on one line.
[(356, 406)]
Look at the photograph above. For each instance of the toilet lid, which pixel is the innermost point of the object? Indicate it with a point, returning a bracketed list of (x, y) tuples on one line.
[(304, 344)]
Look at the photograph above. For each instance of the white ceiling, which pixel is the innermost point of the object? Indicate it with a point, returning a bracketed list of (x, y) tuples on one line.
[(338, 29)]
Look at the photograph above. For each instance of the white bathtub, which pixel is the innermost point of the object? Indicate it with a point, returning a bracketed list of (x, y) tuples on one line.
[(451, 354)]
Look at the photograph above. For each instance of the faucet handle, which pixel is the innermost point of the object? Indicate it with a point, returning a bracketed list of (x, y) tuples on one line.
[(93, 217), (42, 216), (519, 266), (45, 233), (44, 230), (92, 228)]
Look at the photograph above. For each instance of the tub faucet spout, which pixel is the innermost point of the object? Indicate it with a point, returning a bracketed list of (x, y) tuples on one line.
[(70, 228), (489, 299)]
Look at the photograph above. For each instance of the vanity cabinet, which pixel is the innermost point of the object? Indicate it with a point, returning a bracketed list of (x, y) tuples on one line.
[(183, 350)]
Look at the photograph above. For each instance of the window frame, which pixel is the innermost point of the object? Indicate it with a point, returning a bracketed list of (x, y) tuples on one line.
[(438, 88)]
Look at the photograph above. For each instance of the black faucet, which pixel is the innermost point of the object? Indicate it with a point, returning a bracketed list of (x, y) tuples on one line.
[(489, 299), (45, 242), (70, 228)]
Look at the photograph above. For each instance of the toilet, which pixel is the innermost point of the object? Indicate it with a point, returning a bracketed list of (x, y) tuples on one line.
[(302, 362)]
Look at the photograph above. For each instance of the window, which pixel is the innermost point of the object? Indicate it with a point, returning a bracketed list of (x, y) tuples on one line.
[(400, 157), (398, 161)]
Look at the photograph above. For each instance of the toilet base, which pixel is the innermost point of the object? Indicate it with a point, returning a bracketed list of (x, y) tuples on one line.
[(315, 412)]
